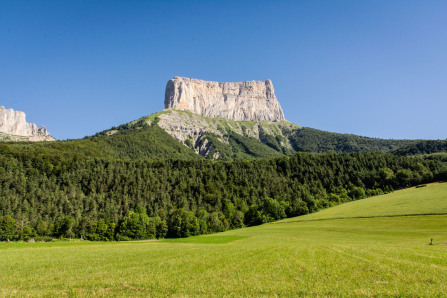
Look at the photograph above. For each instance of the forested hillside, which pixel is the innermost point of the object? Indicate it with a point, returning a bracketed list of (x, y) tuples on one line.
[(141, 142), (313, 140), (423, 147), (136, 181), (56, 194), (227, 140)]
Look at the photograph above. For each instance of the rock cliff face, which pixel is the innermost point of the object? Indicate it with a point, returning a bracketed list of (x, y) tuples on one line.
[(13, 126), (241, 101)]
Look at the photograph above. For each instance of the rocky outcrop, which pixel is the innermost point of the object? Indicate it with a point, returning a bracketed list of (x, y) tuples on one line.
[(240, 101), (13, 126), (193, 130)]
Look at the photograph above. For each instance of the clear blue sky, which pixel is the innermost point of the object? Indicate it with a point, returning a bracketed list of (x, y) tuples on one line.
[(372, 68)]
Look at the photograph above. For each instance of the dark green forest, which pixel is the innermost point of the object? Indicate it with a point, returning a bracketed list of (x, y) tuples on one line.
[(313, 140), (76, 189), (423, 147), (138, 141)]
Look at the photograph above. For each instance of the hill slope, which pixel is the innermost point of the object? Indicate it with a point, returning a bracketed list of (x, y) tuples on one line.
[(423, 147), (141, 141), (224, 139), (313, 140), (431, 199), (172, 134)]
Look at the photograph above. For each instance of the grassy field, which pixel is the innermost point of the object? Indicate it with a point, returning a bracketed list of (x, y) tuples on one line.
[(311, 255), (429, 200)]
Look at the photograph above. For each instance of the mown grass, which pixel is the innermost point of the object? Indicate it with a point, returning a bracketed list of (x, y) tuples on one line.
[(377, 256), (431, 199)]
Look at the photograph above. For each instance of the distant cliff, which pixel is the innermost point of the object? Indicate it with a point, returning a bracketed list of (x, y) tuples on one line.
[(13, 126), (240, 101)]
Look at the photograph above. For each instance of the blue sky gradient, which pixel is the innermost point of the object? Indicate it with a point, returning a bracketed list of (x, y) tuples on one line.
[(372, 68)]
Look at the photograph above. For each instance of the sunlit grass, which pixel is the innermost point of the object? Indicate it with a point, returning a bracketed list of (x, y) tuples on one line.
[(430, 199), (387, 256)]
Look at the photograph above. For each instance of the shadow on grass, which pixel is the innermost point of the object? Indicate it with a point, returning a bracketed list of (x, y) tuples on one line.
[(357, 217), (206, 239)]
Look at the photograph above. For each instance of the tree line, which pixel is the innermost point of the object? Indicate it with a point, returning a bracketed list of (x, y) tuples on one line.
[(46, 195)]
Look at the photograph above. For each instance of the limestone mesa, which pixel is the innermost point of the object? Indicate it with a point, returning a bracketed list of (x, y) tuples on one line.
[(240, 101)]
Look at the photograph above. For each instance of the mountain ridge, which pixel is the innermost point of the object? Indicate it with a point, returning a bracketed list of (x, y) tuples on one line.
[(225, 139), (173, 134)]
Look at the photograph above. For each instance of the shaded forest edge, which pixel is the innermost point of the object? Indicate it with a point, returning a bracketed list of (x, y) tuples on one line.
[(58, 195)]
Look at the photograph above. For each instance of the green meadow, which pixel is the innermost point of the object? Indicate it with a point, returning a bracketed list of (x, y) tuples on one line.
[(428, 199), (376, 246)]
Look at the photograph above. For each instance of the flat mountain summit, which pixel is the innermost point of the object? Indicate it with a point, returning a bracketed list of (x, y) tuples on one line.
[(239, 101)]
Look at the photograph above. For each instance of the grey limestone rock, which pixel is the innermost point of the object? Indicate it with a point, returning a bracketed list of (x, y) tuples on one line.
[(13, 124), (240, 101)]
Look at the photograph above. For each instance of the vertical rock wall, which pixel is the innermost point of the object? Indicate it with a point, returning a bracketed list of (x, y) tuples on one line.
[(14, 123), (240, 101)]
